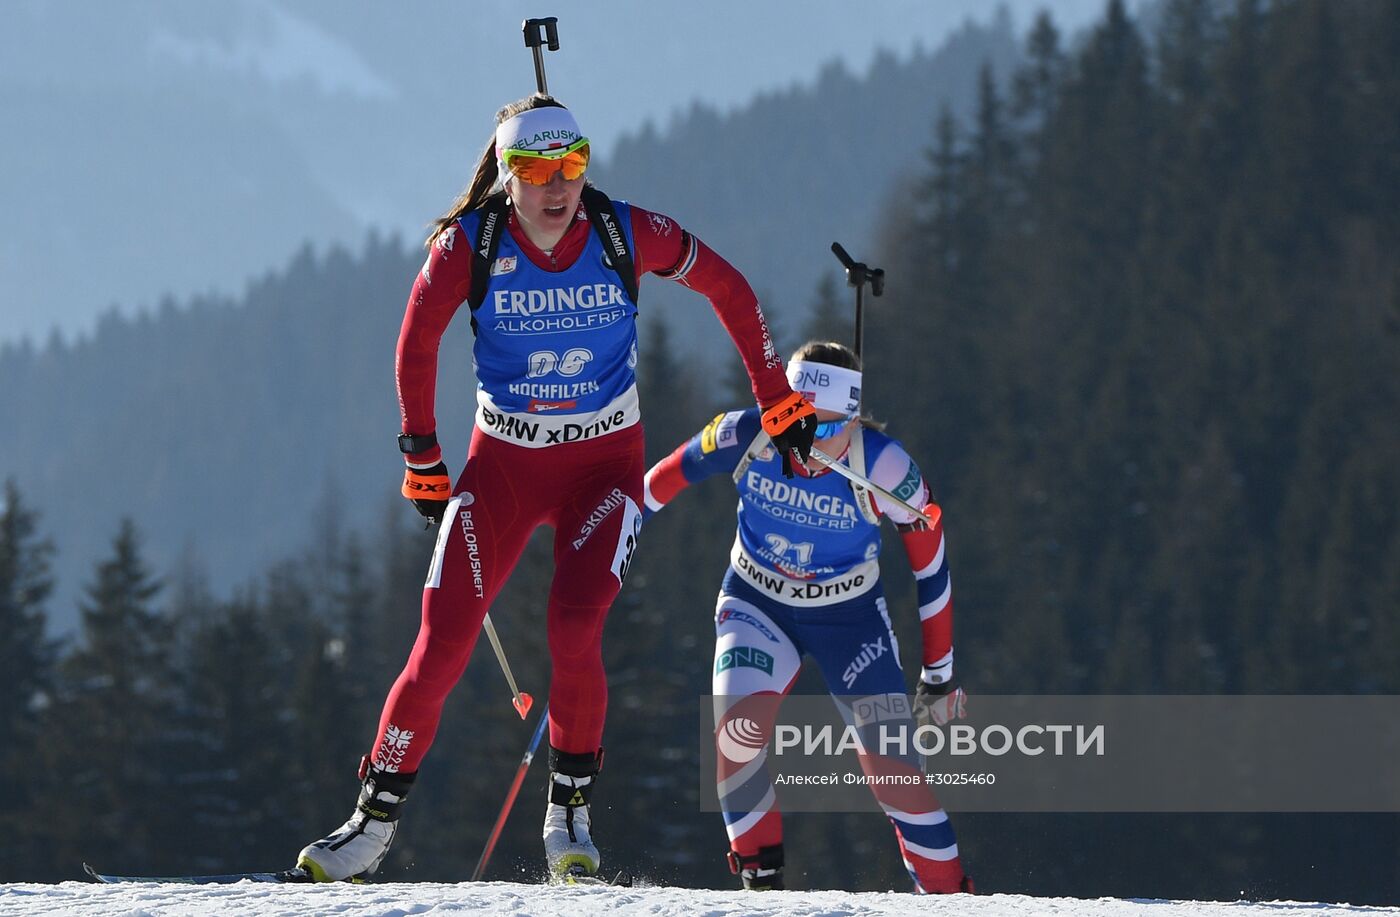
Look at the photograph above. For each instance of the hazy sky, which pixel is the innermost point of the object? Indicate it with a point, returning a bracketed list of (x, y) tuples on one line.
[(377, 110), (628, 60)]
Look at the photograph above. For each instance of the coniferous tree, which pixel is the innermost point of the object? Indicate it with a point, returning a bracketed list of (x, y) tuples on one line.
[(113, 726), (26, 655), (239, 790), (1036, 82), (321, 759), (1305, 116), (833, 315), (1377, 33), (351, 599), (668, 388), (26, 658), (992, 156)]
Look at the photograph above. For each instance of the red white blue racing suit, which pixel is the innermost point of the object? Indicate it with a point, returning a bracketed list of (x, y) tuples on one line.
[(804, 580), (557, 442)]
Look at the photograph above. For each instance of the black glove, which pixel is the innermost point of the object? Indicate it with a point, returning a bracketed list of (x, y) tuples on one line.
[(792, 426), (428, 489), (940, 704)]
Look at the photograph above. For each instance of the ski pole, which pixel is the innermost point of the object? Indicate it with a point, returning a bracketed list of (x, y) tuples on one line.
[(510, 796), (863, 481), (519, 699), (540, 33)]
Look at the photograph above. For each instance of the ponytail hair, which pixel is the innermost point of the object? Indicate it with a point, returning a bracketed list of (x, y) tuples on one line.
[(479, 190)]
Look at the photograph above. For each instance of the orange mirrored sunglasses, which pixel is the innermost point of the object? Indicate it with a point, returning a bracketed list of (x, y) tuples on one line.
[(537, 168)]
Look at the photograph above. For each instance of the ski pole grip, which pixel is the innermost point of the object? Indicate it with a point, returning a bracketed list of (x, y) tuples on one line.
[(856, 272), (542, 32), (538, 34)]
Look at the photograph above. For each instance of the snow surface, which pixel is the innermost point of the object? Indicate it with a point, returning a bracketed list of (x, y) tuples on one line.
[(507, 898)]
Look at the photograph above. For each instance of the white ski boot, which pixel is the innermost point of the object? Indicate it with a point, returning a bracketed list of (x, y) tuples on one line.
[(568, 844), (356, 848)]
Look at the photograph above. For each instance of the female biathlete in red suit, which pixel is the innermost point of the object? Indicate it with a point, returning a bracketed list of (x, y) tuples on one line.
[(557, 442)]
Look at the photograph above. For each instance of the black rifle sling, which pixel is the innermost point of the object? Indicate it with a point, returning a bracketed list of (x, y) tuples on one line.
[(606, 224), (601, 214), (488, 239)]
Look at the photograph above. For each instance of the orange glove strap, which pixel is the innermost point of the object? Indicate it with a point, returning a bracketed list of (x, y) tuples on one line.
[(420, 486), (785, 413)]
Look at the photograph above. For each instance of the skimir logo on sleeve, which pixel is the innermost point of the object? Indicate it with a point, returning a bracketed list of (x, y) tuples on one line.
[(591, 305)]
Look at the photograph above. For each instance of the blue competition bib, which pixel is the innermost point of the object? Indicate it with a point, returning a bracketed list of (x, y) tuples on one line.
[(552, 343), (804, 528)]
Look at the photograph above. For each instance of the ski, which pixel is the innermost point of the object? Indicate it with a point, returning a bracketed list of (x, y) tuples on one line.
[(286, 875), (577, 876)]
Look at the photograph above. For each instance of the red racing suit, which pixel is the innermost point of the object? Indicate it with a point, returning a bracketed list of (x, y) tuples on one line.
[(589, 491)]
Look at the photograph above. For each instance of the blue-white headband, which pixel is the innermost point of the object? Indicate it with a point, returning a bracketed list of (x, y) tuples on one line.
[(829, 388)]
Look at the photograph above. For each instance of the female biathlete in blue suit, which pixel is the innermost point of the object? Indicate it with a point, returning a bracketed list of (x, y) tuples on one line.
[(804, 579)]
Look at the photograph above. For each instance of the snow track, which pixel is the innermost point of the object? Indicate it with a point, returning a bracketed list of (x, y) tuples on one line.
[(82, 899)]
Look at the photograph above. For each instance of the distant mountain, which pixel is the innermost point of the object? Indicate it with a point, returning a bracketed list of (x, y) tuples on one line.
[(153, 149), (229, 428), (205, 142)]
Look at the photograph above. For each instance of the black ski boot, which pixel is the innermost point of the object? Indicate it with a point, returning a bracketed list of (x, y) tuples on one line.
[(761, 872)]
